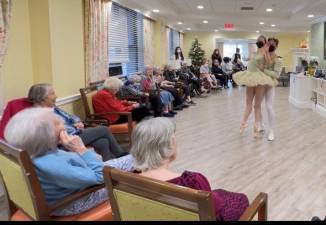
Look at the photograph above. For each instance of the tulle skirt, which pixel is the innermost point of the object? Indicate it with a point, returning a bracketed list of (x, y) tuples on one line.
[(253, 79)]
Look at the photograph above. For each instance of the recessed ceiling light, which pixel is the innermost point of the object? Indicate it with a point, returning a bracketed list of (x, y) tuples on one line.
[(188, 28), (273, 25), (156, 10), (308, 31), (261, 23), (310, 16), (269, 10), (257, 31), (200, 7), (180, 23), (216, 30), (205, 21)]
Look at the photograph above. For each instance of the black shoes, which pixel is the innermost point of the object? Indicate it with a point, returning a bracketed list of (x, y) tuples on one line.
[(169, 115)]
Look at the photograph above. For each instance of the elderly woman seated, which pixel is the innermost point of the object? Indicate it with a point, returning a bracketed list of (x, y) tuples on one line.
[(39, 131), (155, 148), (100, 137), (106, 101)]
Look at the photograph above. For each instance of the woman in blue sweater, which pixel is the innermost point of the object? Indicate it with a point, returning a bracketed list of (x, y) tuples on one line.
[(39, 131)]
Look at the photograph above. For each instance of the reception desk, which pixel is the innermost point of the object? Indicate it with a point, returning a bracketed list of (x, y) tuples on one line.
[(308, 93)]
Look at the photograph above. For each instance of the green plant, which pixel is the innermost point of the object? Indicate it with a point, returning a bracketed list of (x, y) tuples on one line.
[(196, 54)]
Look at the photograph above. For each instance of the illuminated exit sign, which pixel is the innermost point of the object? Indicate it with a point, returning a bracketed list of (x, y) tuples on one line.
[(228, 26)]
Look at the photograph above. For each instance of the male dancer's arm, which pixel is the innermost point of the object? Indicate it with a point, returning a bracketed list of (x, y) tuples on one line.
[(275, 71)]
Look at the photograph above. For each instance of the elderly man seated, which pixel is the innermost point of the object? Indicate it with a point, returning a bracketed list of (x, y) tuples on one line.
[(39, 131)]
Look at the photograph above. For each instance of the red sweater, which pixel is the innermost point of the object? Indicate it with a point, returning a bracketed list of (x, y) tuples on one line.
[(11, 109), (104, 101)]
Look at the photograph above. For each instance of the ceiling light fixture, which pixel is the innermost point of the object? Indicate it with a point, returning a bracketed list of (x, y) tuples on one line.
[(310, 16), (216, 30), (269, 10), (189, 28), (261, 23), (273, 25), (180, 23), (200, 7), (156, 10), (205, 21), (257, 31)]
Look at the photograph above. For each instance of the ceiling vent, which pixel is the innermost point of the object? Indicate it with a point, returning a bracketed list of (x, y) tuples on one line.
[(247, 8)]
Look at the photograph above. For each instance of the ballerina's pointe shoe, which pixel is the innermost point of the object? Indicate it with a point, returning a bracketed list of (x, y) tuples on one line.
[(256, 132), (243, 127)]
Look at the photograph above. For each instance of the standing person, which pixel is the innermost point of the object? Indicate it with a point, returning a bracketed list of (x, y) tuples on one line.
[(255, 80), (237, 55), (179, 58), (273, 70), (227, 68), (216, 55)]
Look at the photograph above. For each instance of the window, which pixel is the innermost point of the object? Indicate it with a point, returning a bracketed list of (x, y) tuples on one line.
[(174, 41), (126, 39), (230, 47)]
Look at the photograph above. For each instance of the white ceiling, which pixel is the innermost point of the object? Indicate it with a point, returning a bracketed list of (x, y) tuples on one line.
[(287, 15)]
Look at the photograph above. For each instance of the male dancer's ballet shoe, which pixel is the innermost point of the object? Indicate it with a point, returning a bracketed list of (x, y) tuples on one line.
[(271, 136), (243, 127)]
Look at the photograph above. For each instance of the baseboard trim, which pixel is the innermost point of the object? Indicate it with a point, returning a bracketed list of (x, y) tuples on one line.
[(300, 105), (68, 100)]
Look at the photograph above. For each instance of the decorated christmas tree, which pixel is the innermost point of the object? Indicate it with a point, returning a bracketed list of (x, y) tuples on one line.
[(196, 54)]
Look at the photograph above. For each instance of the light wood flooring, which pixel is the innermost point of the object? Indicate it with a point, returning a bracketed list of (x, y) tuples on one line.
[(291, 170)]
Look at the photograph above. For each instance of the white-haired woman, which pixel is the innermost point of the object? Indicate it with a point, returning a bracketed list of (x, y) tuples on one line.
[(100, 137), (38, 131), (106, 101), (155, 148)]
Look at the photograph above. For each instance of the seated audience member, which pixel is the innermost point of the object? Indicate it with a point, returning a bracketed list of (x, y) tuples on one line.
[(219, 74), (206, 75), (190, 78), (155, 148), (11, 109), (131, 88), (166, 97), (178, 102), (227, 68), (100, 137), (39, 131), (105, 101), (170, 75), (238, 65)]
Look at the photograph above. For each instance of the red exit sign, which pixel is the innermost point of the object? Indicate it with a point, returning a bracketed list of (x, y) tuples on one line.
[(229, 26)]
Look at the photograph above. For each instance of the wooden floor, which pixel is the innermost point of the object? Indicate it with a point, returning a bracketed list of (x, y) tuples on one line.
[(292, 169)]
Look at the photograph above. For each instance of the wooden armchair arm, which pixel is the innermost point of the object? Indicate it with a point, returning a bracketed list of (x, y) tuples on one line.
[(66, 201), (93, 122), (128, 114), (259, 205)]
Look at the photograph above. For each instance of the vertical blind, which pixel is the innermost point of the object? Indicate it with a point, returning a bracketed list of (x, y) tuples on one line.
[(126, 39), (174, 41)]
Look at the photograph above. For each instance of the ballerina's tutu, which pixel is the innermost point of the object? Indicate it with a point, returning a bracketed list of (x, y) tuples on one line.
[(253, 79), (253, 76)]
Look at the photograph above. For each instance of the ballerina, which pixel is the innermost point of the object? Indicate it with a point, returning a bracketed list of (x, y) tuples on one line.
[(255, 81)]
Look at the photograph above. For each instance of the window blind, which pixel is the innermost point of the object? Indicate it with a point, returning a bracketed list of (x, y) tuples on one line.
[(126, 39), (174, 41)]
